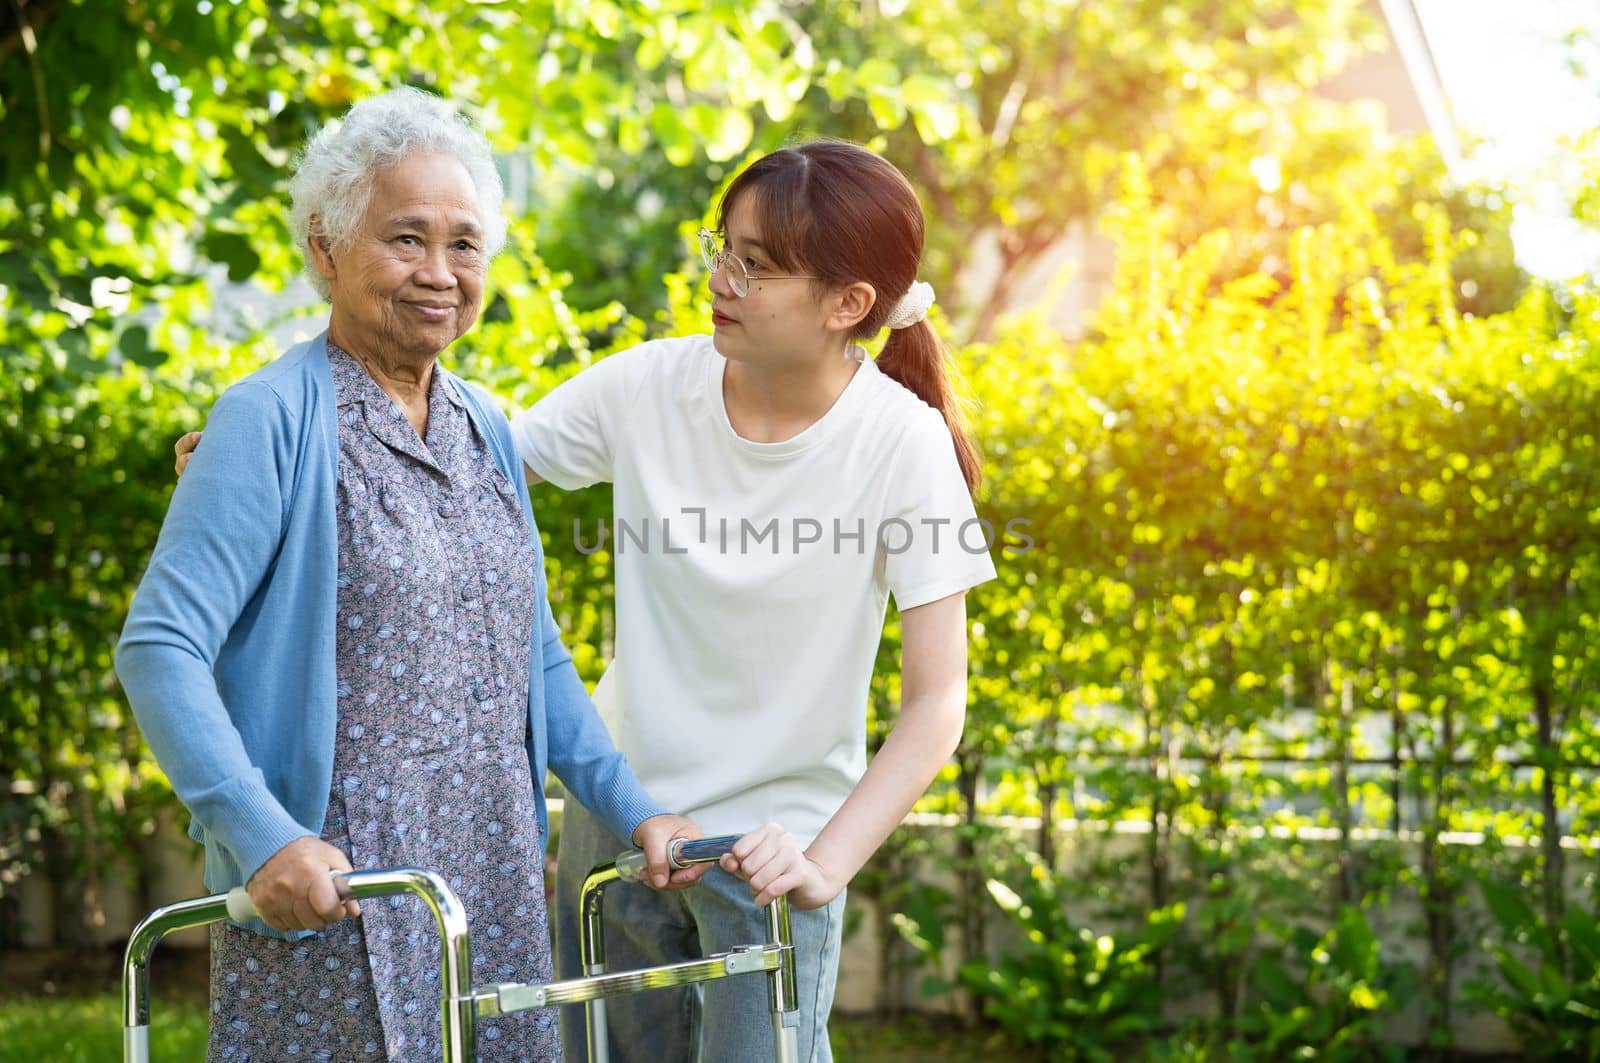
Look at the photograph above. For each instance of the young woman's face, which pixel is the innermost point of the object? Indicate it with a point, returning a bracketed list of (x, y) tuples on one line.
[(779, 322)]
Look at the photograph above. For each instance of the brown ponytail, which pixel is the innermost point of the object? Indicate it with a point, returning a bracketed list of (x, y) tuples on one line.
[(844, 214), (914, 356)]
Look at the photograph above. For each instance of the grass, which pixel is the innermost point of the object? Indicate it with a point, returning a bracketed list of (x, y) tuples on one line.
[(89, 1030), (919, 1039)]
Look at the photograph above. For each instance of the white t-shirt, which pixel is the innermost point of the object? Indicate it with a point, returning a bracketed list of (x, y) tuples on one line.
[(752, 578)]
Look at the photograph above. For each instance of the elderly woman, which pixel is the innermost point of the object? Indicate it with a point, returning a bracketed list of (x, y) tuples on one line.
[(342, 653)]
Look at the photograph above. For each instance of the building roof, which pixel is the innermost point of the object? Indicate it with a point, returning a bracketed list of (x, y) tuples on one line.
[(1404, 79)]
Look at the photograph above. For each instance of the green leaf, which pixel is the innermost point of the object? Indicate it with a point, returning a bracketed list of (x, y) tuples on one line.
[(76, 287), (935, 112), (1364, 997), (1507, 906), (1583, 936), (1554, 983), (234, 250), (780, 97), (1355, 947), (730, 135), (936, 122), (1518, 975), (14, 268), (650, 54), (922, 910), (674, 136), (887, 109), (74, 344), (631, 134), (244, 156), (877, 74), (913, 933), (1004, 895), (134, 345), (1274, 982), (1577, 1007), (605, 17)]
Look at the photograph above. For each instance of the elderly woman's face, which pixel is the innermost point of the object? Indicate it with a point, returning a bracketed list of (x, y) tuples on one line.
[(412, 281)]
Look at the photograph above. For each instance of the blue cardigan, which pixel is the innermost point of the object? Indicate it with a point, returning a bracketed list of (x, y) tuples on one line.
[(228, 653)]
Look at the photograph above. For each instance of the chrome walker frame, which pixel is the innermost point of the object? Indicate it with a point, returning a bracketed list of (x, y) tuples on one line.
[(461, 1004)]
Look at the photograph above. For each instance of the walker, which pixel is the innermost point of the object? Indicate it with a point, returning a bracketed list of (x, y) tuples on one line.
[(461, 1003)]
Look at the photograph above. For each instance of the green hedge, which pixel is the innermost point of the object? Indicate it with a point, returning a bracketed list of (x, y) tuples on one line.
[(1301, 545)]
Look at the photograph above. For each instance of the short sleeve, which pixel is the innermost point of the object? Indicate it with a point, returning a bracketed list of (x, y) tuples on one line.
[(933, 543), (570, 436)]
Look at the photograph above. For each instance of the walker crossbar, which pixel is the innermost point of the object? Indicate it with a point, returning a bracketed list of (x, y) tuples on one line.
[(515, 996)]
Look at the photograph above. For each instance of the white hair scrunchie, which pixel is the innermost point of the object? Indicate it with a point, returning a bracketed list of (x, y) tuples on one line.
[(912, 307)]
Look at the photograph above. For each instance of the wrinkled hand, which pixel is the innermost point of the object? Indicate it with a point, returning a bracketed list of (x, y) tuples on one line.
[(296, 890), (652, 836), (184, 449), (771, 860)]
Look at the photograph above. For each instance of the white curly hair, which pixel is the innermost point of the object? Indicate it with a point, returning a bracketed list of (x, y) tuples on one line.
[(333, 177)]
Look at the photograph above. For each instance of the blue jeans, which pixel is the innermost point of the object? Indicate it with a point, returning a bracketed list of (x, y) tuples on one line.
[(713, 1022)]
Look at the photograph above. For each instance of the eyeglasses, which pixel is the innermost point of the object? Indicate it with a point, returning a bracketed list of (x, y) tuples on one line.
[(733, 267)]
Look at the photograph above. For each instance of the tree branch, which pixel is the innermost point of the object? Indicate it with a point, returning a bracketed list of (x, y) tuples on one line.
[(11, 36), (30, 45), (932, 182)]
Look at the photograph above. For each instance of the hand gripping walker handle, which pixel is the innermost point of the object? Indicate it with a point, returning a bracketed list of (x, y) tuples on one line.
[(241, 909), (681, 853)]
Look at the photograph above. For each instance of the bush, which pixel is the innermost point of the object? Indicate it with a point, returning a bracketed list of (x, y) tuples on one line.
[(1549, 986), (1075, 993)]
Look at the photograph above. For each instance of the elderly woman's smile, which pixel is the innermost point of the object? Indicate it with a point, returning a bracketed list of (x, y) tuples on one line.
[(411, 280)]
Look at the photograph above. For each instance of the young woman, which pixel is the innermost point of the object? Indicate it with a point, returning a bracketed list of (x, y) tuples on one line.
[(772, 488)]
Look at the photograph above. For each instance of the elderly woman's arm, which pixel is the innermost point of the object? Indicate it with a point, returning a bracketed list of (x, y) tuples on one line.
[(220, 537)]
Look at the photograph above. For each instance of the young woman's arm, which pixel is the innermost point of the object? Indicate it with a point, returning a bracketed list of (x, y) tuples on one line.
[(933, 706)]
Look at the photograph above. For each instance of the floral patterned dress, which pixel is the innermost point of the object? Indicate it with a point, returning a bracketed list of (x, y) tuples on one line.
[(435, 613)]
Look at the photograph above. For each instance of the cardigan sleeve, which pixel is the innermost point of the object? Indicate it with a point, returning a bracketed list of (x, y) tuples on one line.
[(219, 540)]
